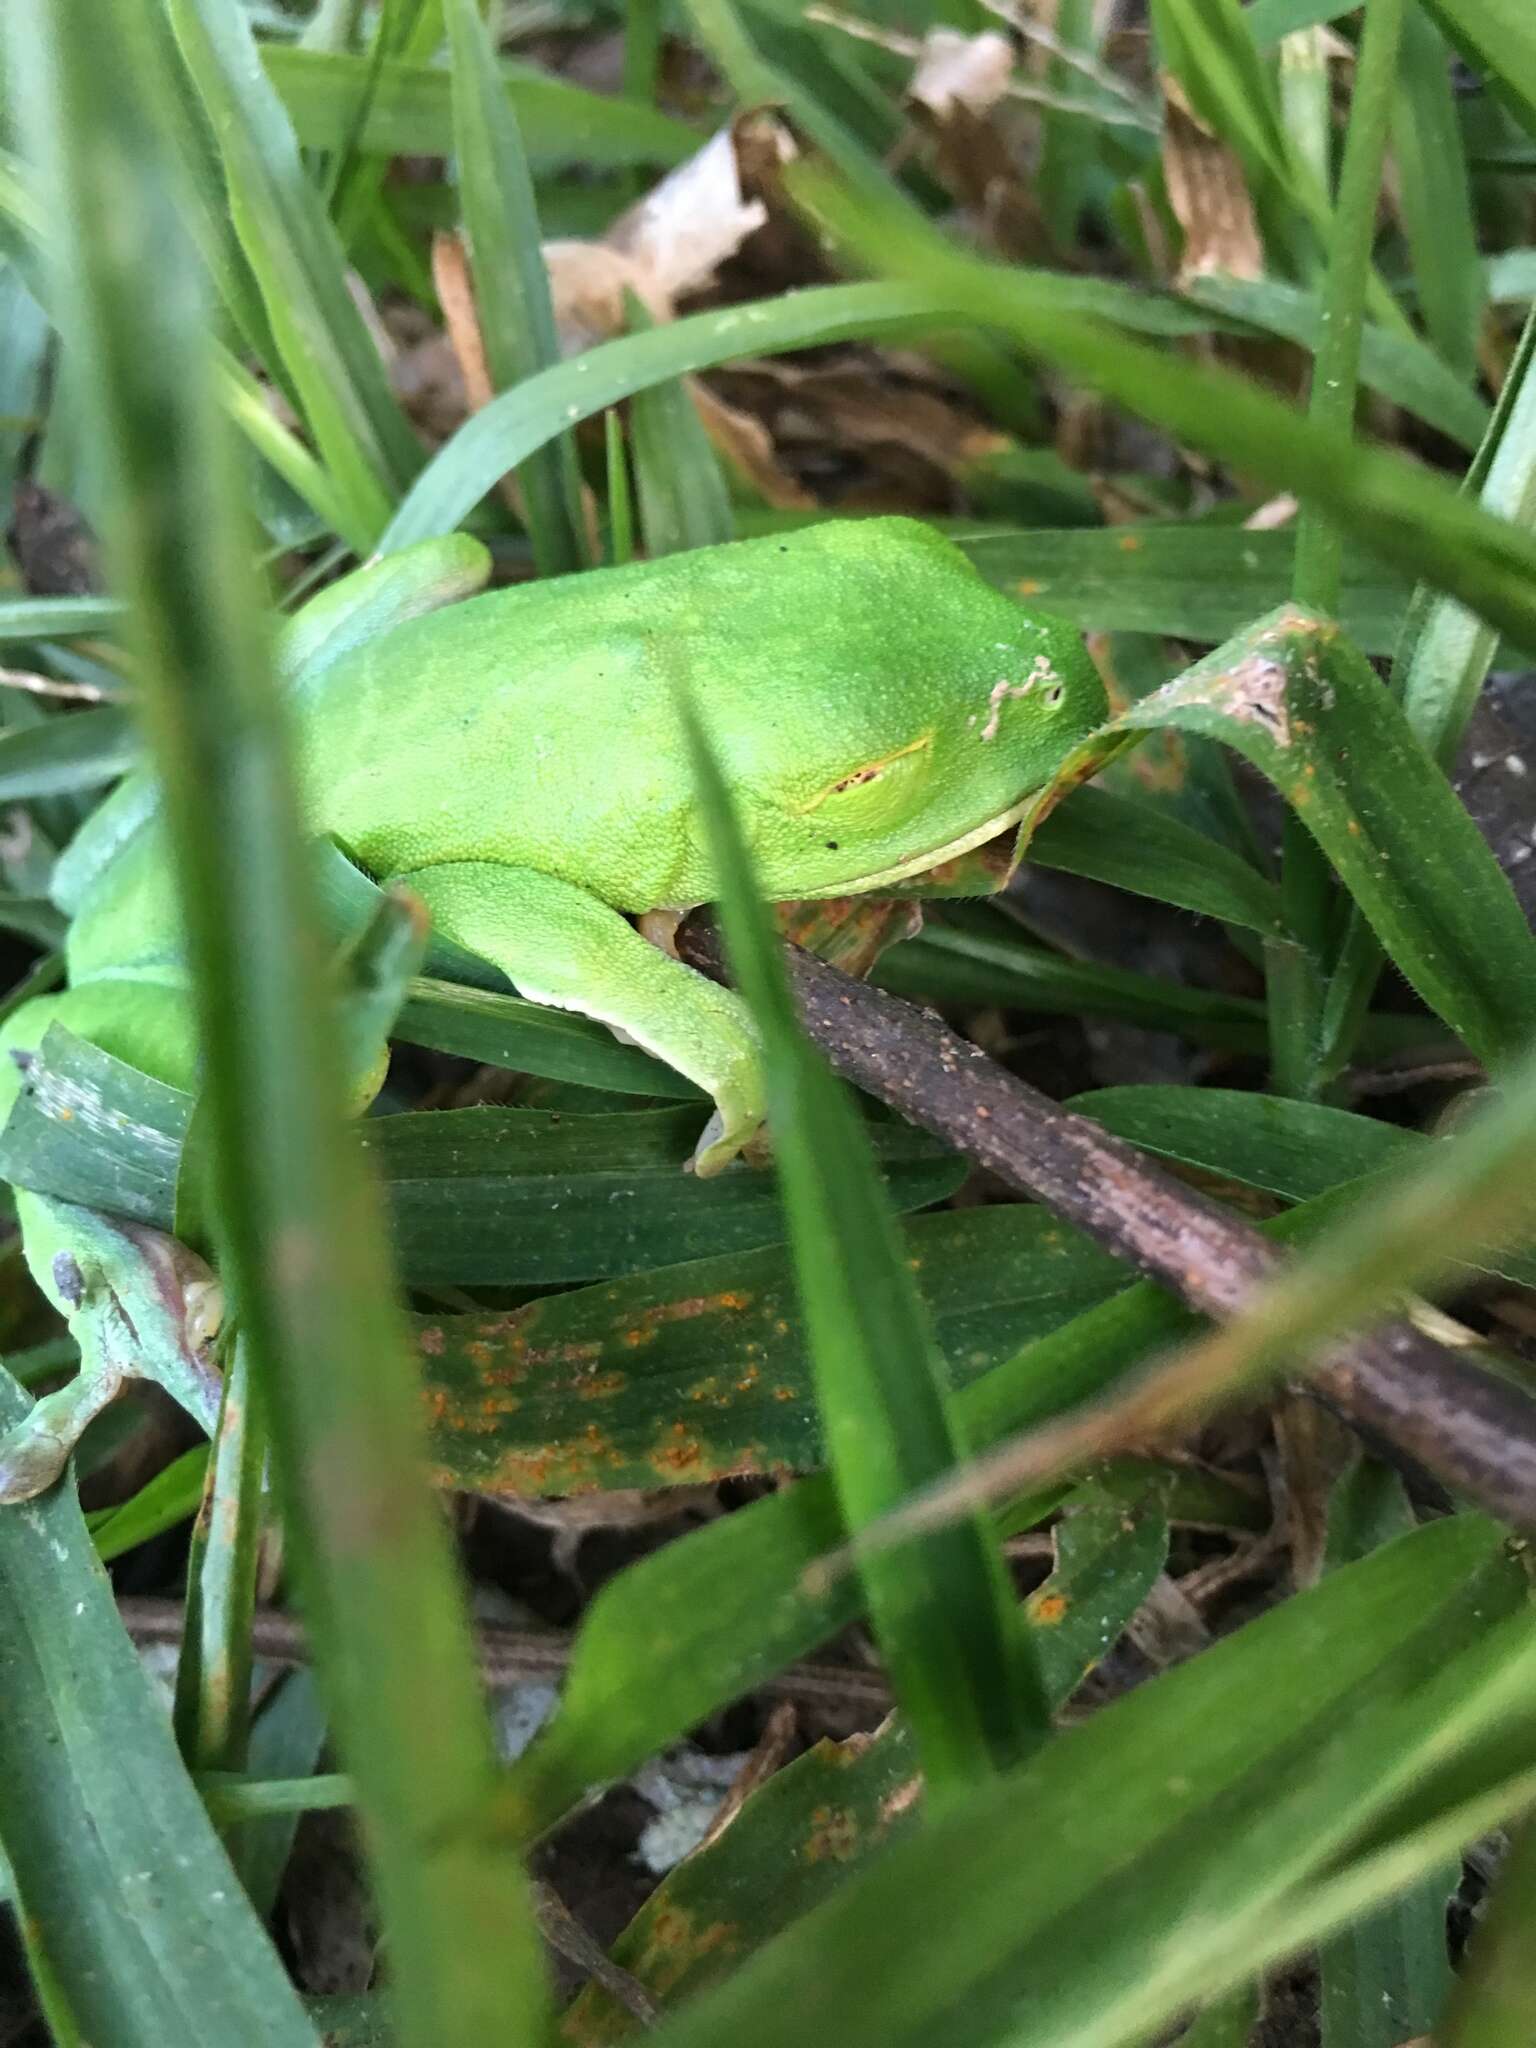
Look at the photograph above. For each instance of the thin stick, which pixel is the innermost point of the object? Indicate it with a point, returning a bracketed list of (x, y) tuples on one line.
[(1474, 1433)]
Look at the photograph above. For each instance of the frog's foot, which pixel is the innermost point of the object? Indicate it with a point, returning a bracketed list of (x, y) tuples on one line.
[(559, 945), (140, 1306)]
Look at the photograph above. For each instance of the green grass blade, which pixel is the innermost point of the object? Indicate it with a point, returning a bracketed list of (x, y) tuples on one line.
[(1087, 1898), (944, 1616), (1310, 714), (139, 1918), (1187, 579), (1499, 37), (299, 1231), (362, 435), (679, 488), (1137, 846), (410, 112), (1392, 503), (517, 321), (1492, 2005), (1435, 195)]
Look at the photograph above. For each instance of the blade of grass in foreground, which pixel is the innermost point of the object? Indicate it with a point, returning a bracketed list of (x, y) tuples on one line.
[(944, 1614), (298, 1227), (143, 1930)]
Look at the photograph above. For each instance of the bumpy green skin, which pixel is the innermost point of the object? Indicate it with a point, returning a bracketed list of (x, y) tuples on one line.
[(517, 760)]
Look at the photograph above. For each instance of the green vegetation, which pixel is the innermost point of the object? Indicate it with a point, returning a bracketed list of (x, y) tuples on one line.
[(1204, 328)]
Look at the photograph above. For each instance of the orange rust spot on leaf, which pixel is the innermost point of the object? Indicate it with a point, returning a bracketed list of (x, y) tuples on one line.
[(786, 1393), (1047, 1610), (1028, 587), (834, 1833), (602, 1386), (1129, 543), (431, 1341), (676, 1943)]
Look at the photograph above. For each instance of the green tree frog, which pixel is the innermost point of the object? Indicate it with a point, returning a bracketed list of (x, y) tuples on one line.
[(515, 759)]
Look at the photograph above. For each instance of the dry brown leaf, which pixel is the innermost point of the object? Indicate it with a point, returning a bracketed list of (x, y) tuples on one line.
[(971, 72), (953, 99), (1209, 197)]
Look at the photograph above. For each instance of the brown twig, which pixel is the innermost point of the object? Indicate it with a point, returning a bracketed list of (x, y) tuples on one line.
[(508, 1656), (1474, 1433)]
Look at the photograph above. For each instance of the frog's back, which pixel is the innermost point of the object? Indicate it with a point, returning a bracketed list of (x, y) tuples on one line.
[(537, 725)]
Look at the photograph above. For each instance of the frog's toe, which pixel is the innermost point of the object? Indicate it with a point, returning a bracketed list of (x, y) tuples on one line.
[(722, 1141)]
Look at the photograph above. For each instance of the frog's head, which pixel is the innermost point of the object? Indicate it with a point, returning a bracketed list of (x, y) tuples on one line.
[(922, 712)]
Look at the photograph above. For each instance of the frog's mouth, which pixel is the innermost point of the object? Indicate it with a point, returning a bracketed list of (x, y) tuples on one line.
[(952, 849)]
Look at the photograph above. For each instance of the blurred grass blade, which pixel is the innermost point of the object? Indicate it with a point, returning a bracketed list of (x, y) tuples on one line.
[(944, 1615), (363, 437), (410, 113), (517, 322), (679, 488), (1435, 196), (57, 618), (1189, 579), (1499, 38), (75, 751), (142, 1924), (1295, 984), (1397, 366), (1447, 651), (1492, 2004), (301, 1245)]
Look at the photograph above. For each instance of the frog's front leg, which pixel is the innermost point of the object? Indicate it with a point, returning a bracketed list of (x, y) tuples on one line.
[(559, 945), (138, 1304)]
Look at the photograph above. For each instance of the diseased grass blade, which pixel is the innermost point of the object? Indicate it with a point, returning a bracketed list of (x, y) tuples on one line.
[(822, 1817), (757, 1564), (517, 321), (140, 1921), (363, 437), (213, 1673), (298, 1231), (944, 1615), (1088, 1899)]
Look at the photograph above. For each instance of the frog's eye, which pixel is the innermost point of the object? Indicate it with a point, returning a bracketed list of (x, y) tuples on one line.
[(876, 792)]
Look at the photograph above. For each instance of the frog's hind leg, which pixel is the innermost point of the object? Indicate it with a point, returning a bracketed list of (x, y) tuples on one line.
[(559, 945)]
